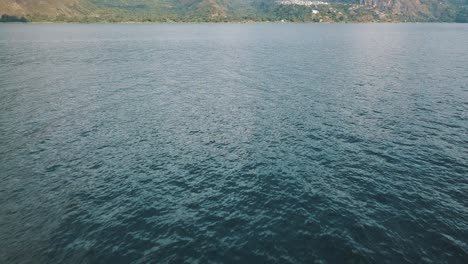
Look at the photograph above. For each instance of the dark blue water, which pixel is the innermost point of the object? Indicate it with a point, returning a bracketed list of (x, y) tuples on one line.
[(267, 143)]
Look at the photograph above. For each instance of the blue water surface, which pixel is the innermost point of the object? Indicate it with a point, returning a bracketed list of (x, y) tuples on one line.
[(234, 143)]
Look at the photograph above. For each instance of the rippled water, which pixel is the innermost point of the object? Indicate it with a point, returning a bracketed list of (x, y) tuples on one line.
[(234, 143)]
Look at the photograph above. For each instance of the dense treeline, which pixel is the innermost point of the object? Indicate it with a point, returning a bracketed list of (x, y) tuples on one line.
[(462, 15), (7, 18)]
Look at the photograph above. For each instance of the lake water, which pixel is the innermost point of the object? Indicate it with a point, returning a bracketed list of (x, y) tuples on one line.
[(230, 143)]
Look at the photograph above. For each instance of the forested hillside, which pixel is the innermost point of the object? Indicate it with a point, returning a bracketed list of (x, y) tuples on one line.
[(234, 10)]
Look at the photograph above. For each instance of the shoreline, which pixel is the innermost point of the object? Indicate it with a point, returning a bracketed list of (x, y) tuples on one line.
[(227, 22)]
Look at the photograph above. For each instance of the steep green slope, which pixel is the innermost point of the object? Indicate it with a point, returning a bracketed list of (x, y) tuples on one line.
[(235, 10)]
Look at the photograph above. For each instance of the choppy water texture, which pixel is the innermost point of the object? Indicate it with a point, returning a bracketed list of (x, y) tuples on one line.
[(271, 143)]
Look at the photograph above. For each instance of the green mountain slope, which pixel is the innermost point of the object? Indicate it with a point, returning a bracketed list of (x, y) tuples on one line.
[(235, 10)]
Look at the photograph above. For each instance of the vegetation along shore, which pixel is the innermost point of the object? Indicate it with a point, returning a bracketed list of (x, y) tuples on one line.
[(341, 11)]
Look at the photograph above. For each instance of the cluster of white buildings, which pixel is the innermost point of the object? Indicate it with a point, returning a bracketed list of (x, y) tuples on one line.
[(302, 2)]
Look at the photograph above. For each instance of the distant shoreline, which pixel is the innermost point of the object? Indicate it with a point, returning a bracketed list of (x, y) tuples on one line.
[(224, 22), (341, 19)]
